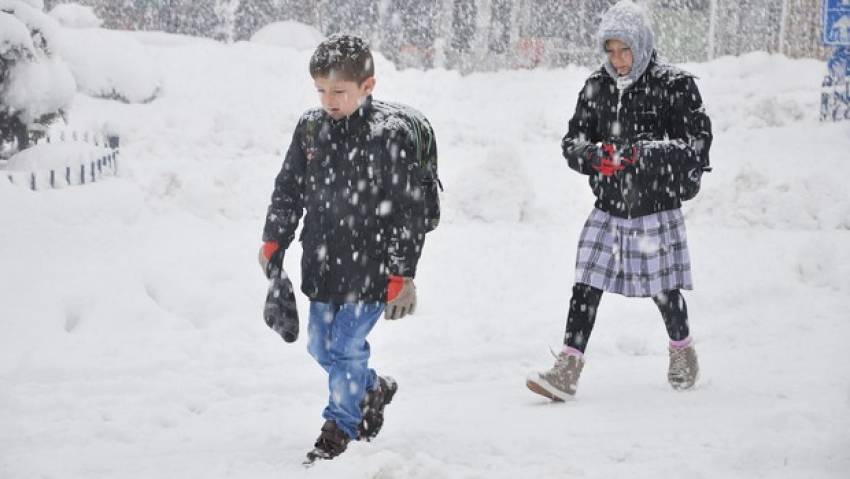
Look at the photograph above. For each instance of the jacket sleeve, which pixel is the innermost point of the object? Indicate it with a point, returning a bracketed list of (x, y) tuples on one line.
[(405, 205), (287, 203), (689, 131), (583, 132)]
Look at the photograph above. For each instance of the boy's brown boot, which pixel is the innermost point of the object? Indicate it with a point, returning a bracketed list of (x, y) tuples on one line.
[(558, 383), (684, 367), (373, 407), (331, 443)]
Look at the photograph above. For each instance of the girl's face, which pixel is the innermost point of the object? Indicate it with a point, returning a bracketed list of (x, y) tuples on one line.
[(620, 56)]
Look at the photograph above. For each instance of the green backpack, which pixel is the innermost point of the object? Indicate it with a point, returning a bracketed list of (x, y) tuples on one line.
[(420, 130), (426, 157)]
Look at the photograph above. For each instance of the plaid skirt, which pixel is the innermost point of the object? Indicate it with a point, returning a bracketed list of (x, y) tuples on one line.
[(637, 257)]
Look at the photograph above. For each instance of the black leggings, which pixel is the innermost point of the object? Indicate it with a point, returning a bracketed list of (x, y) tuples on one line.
[(585, 302)]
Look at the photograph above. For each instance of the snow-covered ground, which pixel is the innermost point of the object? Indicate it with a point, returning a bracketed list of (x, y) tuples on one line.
[(133, 344)]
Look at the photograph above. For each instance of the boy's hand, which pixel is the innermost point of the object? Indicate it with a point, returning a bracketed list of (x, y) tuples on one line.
[(401, 297), (270, 257)]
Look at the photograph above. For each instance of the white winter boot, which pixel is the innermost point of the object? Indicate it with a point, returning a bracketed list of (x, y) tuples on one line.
[(558, 383), (684, 367)]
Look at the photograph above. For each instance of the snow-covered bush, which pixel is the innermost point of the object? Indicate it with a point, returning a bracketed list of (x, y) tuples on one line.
[(38, 89), (289, 34), (98, 61), (35, 85), (74, 15)]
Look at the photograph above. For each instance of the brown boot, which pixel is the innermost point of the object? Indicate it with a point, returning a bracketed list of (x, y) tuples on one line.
[(373, 407), (331, 443)]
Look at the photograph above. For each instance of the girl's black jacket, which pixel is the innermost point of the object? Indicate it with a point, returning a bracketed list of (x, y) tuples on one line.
[(662, 115)]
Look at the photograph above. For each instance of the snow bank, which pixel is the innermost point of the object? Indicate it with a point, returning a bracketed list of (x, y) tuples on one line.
[(290, 34), (772, 184), (74, 15), (770, 90), (496, 189)]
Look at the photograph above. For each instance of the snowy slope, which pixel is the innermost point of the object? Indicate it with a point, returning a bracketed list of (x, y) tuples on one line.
[(133, 344)]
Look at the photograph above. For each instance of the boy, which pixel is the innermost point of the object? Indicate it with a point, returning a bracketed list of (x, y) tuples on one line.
[(641, 134), (351, 166)]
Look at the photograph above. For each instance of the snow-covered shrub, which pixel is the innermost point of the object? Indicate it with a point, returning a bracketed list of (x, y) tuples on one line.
[(99, 61), (15, 41), (37, 4), (38, 89), (74, 15), (35, 85), (289, 34)]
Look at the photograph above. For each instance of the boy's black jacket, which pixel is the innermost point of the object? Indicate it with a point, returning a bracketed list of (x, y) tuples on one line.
[(663, 115), (358, 182)]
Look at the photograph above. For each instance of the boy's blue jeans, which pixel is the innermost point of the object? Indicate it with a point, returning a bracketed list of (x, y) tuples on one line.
[(337, 339)]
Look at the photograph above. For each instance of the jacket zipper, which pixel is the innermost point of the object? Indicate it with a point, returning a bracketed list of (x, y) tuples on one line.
[(620, 92)]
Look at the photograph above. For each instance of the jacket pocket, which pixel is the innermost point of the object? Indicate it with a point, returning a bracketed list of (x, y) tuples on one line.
[(647, 125)]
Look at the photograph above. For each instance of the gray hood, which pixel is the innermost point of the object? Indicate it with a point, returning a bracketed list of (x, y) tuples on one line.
[(628, 23)]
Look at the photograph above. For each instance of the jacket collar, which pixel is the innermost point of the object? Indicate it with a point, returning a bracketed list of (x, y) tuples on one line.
[(355, 120)]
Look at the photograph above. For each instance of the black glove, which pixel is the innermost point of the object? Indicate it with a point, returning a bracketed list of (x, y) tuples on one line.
[(280, 311), (595, 154), (604, 159), (628, 154)]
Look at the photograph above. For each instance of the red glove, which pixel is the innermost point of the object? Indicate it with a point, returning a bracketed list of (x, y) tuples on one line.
[(270, 248), (394, 287), (401, 297), (614, 159), (607, 163), (270, 256)]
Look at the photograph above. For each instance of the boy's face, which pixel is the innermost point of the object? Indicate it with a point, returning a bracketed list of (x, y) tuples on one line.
[(341, 98), (620, 56)]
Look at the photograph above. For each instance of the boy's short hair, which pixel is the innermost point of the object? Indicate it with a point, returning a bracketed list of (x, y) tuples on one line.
[(344, 57)]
